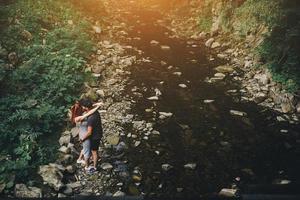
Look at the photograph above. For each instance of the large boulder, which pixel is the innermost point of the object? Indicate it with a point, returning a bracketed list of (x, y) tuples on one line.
[(51, 175), (22, 191)]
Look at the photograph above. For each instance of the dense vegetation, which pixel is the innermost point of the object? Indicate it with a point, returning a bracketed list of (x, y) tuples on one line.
[(279, 50), (44, 46)]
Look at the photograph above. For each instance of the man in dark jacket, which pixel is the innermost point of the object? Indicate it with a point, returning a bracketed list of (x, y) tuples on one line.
[(94, 131)]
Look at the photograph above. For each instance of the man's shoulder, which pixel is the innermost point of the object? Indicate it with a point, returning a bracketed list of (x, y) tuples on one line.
[(93, 116)]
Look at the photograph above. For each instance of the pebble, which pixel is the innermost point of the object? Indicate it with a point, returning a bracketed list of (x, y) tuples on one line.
[(106, 166), (208, 101), (166, 167), (191, 166), (182, 85)]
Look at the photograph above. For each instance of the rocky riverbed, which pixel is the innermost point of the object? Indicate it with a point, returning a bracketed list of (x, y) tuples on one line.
[(182, 116)]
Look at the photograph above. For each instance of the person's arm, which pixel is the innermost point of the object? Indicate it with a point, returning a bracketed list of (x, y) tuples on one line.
[(88, 133), (90, 125), (80, 118)]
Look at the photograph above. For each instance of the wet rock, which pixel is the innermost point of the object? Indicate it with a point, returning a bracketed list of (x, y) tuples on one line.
[(260, 97), (71, 169), (166, 167), (165, 47), (157, 92), (215, 45), (281, 182), (136, 178), (113, 139), (74, 185), (65, 139), (163, 63), (221, 56), (224, 69), (220, 75), (164, 115), (139, 125), (182, 85), (61, 195), (238, 113), (209, 42), (64, 149), (66, 159), (121, 146), (75, 132), (22, 191), (177, 73), (119, 194), (52, 176), (154, 98), (262, 79), (154, 42), (287, 107), (298, 107), (207, 101), (202, 35), (68, 190), (228, 192), (97, 29), (106, 166), (100, 93), (191, 166), (137, 143)]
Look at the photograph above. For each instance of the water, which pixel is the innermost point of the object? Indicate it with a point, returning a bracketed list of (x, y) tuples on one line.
[(223, 146)]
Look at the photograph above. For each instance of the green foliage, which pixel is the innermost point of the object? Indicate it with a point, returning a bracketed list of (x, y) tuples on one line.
[(36, 93), (205, 18), (257, 12)]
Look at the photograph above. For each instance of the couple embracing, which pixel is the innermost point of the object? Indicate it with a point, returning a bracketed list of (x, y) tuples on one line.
[(84, 114)]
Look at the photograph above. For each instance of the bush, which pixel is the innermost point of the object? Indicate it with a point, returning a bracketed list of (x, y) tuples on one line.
[(37, 92)]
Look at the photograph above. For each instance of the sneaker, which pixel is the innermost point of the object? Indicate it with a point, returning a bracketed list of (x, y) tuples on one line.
[(80, 161), (90, 169)]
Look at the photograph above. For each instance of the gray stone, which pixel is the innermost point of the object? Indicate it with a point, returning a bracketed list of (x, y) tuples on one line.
[(224, 69), (154, 98), (74, 185), (61, 195), (106, 166), (165, 47), (119, 194), (154, 42), (52, 176), (75, 132), (215, 45), (209, 42), (22, 191), (71, 169), (207, 101), (262, 79), (65, 139), (191, 166), (287, 107), (64, 149), (164, 115), (68, 190), (97, 29), (238, 113), (166, 167), (182, 85), (228, 192), (260, 97)]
